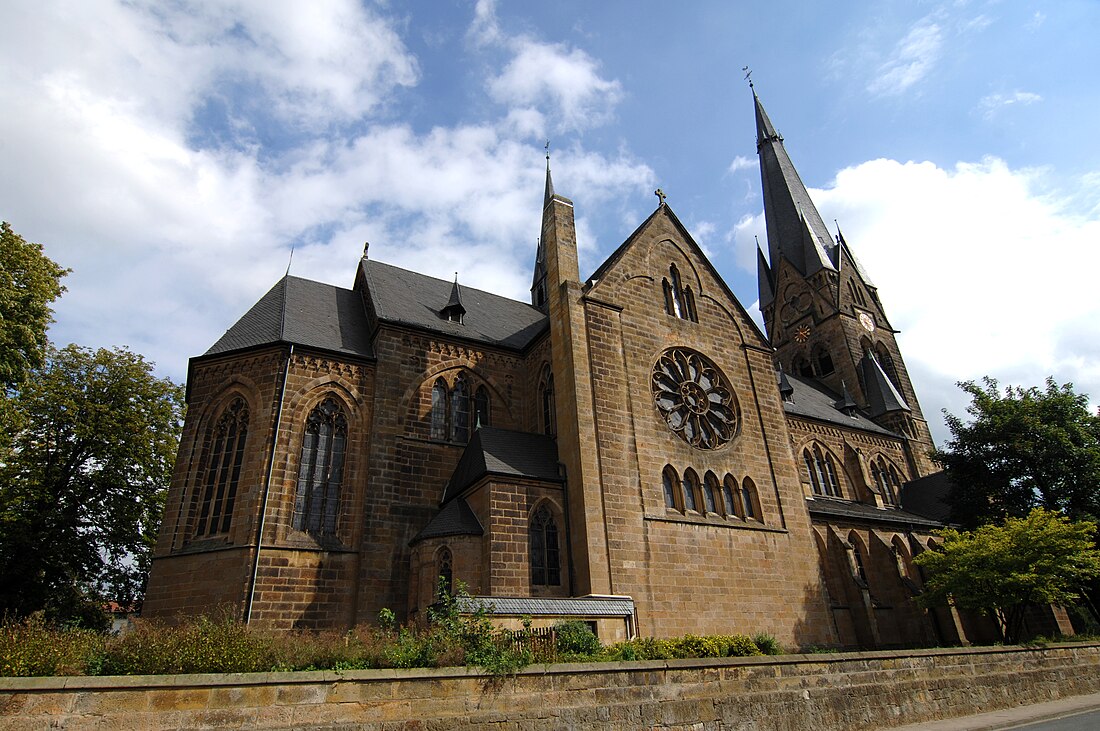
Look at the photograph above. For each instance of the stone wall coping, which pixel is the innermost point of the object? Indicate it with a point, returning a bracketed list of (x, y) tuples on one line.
[(305, 677)]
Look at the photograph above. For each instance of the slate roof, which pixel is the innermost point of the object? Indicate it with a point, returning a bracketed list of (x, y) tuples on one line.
[(586, 606), (812, 400), (831, 509), (407, 298), (928, 495), (504, 452), (455, 519), (301, 312)]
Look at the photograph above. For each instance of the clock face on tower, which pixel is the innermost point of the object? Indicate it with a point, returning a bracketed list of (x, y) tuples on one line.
[(867, 321), (802, 334)]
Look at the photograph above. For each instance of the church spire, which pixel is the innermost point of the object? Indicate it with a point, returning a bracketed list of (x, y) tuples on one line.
[(548, 193), (795, 229)]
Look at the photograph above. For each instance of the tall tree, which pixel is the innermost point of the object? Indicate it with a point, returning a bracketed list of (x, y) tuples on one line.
[(1023, 448), (1042, 558), (82, 493), (29, 282)]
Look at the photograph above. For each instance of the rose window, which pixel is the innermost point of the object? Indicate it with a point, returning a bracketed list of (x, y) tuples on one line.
[(695, 399)]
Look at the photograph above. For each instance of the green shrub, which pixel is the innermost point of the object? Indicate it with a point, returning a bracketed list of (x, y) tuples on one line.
[(33, 648), (767, 644), (575, 638)]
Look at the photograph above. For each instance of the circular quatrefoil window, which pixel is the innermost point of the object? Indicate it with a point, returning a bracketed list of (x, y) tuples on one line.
[(695, 398)]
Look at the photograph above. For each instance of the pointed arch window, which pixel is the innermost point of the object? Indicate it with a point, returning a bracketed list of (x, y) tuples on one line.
[(460, 411), (691, 488), (445, 573), (669, 480), (482, 414), (439, 410), (710, 493), (886, 480), (802, 367), (858, 571), (547, 401), (882, 355), (750, 500), (225, 457), (730, 496), (679, 300), (543, 540), (321, 469), (823, 362), (822, 471)]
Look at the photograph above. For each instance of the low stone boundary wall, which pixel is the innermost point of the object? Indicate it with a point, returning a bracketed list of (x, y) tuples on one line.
[(870, 690)]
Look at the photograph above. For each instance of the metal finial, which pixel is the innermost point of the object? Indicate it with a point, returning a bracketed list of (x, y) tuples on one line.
[(748, 75), (290, 261), (548, 151), (366, 245), (660, 196)]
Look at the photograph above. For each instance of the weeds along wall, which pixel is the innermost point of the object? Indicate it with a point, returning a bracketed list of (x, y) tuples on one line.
[(870, 690)]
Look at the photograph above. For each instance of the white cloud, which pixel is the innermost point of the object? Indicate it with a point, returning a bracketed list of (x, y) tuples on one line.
[(172, 233), (911, 60), (994, 103), (742, 163), (564, 84)]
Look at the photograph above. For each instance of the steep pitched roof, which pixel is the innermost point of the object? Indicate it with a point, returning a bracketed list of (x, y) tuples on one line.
[(416, 300), (455, 519), (795, 228), (812, 400), (507, 453), (301, 312), (665, 209), (929, 496), (882, 397)]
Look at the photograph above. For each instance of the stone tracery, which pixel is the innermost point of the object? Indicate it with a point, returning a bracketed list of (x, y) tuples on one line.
[(694, 398)]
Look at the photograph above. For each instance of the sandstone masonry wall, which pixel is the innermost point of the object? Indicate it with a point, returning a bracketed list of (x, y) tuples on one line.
[(871, 690)]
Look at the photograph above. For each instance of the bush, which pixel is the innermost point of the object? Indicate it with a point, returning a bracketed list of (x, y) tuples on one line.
[(767, 644), (576, 638), (688, 646), (33, 648)]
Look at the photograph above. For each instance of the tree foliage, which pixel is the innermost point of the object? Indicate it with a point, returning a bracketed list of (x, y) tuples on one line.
[(1043, 558), (1023, 448), (29, 282), (82, 492)]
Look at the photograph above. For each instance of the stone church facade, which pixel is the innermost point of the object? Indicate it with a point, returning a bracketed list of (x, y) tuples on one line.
[(629, 449)]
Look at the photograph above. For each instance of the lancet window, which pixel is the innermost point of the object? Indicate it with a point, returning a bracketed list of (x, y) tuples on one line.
[(543, 540), (225, 457), (321, 469), (455, 411), (679, 300)]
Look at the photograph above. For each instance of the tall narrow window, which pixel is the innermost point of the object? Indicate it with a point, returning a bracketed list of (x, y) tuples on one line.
[(670, 301), (691, 487), (321, 469), (482, 416), (857, 562), (823, 362), (830, 473), (811, 469), (223, 470), (548, 402), (677, 292), (668, 478), (545, 564), (749, 499), (729, 491), (445, 577), (710, 492), (460, 411), (689, 305), (439, 410)]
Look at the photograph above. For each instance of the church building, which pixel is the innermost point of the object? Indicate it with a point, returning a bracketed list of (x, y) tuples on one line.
[(628, 449)]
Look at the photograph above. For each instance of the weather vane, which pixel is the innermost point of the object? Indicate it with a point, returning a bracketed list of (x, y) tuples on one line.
[(748, 75)]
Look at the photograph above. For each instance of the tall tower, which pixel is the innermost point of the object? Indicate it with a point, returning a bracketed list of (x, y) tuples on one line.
[(821, 311)]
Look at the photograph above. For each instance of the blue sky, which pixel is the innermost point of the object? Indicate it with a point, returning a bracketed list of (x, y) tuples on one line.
[(172, 153)]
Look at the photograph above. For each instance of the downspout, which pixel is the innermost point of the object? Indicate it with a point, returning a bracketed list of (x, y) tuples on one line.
[(267, 488)]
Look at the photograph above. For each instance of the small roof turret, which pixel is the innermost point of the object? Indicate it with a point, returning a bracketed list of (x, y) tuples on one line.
[(454, 310)]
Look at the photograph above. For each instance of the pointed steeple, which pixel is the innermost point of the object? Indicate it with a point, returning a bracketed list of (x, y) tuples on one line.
[(548, 192), (795, 229), (882, 397), (764, 278), (454, 310), (786, 390)]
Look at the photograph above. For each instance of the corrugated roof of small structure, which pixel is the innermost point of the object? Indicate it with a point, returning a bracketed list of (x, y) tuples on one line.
[(301, 312), (407, 298), (455, 519), (494, 451), (827, 508), (591, 606), (815, 401)]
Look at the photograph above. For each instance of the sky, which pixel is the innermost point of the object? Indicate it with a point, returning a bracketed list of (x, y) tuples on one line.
[(174, 153)]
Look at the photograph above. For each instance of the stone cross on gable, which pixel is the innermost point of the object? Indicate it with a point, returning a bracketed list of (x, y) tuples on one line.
[(660, 196)]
